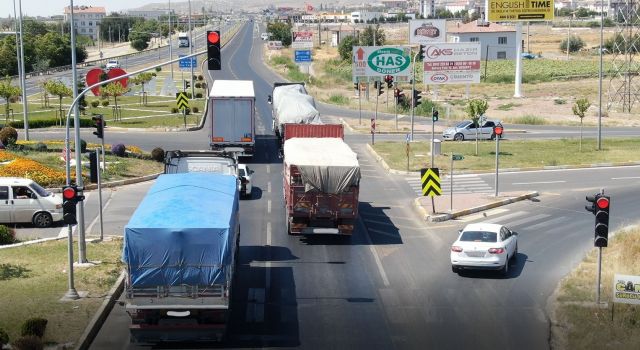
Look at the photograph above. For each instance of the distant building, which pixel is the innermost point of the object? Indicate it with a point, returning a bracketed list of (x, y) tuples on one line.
[(150, 14), (364, 16), (86, 19), (497, 42)]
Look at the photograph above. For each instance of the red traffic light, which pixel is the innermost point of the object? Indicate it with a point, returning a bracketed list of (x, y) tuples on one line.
[(69, 193), (213, 37), (602, 203)]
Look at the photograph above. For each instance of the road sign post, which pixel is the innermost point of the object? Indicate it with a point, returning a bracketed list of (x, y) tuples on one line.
[(408, 151), (497, 131), (373, 130), (453, 158), (430, 180)]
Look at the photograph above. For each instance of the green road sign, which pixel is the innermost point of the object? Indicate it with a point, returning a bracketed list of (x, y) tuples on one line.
[(457, 157)]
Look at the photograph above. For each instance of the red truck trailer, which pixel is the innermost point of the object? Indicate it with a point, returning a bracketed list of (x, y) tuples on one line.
[(321, 180)]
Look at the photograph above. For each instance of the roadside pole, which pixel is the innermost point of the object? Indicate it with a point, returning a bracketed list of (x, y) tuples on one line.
[(408, 147), (396, 98), (413, 88), (98, 151), (497, 131), (359, 101), (433, 127), (373, 130)]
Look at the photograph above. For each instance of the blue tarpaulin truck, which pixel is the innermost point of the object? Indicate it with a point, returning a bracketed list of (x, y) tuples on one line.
[(180, 250)]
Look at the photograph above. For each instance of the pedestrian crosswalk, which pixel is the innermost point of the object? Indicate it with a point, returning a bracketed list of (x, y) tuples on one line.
[(461, 184), (519, 219)]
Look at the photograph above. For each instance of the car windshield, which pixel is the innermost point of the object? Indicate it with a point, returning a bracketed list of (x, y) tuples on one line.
[(241, 172), (40, 190), (463, 124), (478, 236)]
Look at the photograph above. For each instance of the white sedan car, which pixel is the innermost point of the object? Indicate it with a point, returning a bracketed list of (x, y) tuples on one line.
[(466, 130), (244, 174), (484, 246)]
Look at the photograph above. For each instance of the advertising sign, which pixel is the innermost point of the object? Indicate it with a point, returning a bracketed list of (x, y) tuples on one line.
[(424, 31), (626, 289), (452, 63), (377, 61), (302, 55), (302, 40), (520, 10)]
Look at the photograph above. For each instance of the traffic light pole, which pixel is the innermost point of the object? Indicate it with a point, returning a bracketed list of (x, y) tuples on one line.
[(413, 88), (359, 101), (100, 192)]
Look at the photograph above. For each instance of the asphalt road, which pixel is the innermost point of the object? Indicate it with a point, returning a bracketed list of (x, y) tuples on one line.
[(391, 285)]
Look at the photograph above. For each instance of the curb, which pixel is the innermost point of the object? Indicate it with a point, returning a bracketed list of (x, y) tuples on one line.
[(123, 182), (100, 316), (455, 214), (35, 241)]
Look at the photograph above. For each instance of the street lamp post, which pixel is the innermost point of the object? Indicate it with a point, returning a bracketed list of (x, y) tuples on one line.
[(23, 84), (170, 45), (193, 95)]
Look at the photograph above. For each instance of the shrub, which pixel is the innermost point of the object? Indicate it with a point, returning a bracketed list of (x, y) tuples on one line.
[(198, 94), (158, 69), (195, 77), (204, 84), (174, 109), (105, 103), (95, 104), (157, 154), (4, 338), (198, 85), (154, 74), (7, 236), (8, 135), (200, 77), (34, 326), (575, 44), (187, 111), (189, 96), (118, 150), (28, 343), (195, 109), (40, 147), (83, 146)]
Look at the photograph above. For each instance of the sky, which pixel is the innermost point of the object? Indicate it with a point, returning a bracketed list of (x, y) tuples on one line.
[(56, 7)]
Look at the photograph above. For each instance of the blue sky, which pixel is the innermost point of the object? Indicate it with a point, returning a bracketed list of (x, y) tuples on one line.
[(56, 7)]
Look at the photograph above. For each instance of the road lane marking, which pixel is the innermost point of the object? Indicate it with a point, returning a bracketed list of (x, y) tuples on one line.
[(539, 182), (268, 169), (269, 186), (625, 178), (267, 272), (269, 206), (383, 274)]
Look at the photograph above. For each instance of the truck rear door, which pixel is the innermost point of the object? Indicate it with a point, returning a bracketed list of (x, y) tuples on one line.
[(232, 121)]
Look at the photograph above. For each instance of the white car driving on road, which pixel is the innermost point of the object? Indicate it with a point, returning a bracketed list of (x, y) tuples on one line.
[(466, 130), (244, 174), (484, 246)]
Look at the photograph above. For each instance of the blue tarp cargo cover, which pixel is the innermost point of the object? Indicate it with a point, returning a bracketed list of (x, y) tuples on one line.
[(183, 231)]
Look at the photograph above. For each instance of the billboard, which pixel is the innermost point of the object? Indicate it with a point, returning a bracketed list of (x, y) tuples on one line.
[(520, 10), (626, 289), (452, 63), (424, 31), (378, 61), (302, 40)]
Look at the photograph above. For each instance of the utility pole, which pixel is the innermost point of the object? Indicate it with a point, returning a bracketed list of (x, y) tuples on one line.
[(170, 45), (193, 94)]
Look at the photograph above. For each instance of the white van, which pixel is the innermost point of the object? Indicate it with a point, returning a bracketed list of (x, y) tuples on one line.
[(264, 36), (23, 200)]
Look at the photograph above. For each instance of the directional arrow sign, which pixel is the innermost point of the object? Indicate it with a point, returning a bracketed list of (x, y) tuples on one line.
[(430, 179), (182, 100), (457, 157)]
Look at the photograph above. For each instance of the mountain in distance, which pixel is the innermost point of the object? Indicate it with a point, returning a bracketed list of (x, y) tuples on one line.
[(226, 6)]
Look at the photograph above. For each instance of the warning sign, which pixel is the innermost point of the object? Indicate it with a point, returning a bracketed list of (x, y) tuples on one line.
[(520, 10)]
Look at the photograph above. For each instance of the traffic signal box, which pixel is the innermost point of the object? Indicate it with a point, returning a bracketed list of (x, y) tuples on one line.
[(398, 94), (436, 115), (69, 200), (389, 80), (378, 86), (416, 98), (213, 50), (600, 205), (98, 121)]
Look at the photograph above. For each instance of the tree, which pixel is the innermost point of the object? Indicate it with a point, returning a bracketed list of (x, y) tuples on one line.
[(579, 109), (476, 109), (58, 88), (346, 47), (9, 93), (366, 38), (142, 79), (114, 89), (575, 44), (280, 31)]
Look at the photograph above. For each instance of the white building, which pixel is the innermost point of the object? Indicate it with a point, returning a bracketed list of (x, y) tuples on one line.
[(499, 40), (363, 16), (150, 14), (86, 19)]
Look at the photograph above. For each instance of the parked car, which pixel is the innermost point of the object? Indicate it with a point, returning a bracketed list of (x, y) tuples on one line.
[(23, 200), (484, 246), (466, 130), (244, 174), (264, 36), (113, 64)]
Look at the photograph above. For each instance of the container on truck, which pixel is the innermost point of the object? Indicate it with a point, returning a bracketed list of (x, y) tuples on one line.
[(321, 180), (180, 250), (232, 113), (291, 104)]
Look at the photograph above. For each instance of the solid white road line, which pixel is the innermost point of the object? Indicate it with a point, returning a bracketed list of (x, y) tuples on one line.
[(539, 182), (625, 178)]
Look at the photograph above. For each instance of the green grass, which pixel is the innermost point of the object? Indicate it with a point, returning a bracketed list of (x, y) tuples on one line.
[(33, 278), (525, 119), (513, 154), (339, 100), (581, 325), (541, 70), (508, 106)]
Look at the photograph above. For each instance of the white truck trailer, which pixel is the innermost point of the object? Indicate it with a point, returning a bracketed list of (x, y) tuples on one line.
[(232, 113)]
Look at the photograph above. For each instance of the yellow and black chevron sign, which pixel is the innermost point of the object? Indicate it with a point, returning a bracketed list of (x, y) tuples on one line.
[(430, 179), (182, 100)]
